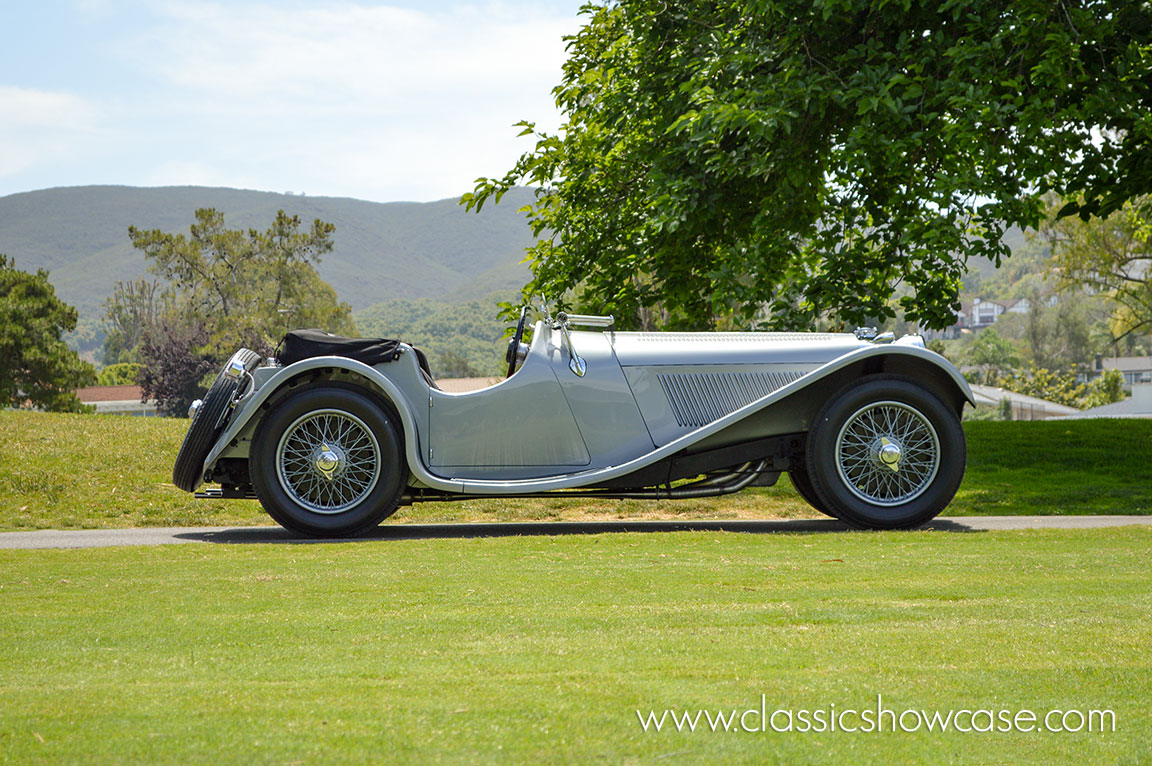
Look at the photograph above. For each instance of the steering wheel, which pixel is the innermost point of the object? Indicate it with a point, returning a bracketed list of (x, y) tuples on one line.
[(514, 345)]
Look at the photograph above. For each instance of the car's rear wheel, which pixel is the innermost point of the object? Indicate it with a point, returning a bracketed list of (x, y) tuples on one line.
[(886, 453), (328, 462), (208, 421)]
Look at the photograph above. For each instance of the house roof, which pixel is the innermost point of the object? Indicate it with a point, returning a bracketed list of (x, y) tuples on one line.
[(93, 394), (1128, 363), (1127, 408), (992, 395)]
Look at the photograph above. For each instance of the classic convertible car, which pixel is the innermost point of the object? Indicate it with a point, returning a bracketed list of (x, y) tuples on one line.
[(333, 434)]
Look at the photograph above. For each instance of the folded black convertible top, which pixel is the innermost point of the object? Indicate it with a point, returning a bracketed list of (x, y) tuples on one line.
[(305, 344)]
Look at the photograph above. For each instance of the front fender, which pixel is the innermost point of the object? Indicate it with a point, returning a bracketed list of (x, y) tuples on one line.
[(905, 357), (249, 407)]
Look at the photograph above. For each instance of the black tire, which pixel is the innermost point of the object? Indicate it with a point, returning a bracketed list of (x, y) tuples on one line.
[(886, 453), (802, 483), (333, 425), (208, 423)]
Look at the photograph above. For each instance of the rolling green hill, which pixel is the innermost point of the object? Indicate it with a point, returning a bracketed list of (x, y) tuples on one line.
[(462, 339), (384, 251)]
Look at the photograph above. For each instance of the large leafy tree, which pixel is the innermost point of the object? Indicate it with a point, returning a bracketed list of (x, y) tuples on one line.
[(787, 160), (220, 289), (247, 288), (36, 366)]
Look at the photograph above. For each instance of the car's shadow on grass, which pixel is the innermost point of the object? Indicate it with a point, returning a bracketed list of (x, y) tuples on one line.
[(252, 535)]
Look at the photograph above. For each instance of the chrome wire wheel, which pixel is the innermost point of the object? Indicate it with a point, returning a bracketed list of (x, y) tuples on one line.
[(328, 461), (887, 453)]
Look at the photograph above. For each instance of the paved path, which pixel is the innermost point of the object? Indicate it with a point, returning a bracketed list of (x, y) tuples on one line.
[(98, 538)]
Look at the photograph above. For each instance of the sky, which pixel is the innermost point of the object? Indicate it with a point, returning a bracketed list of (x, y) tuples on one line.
[(382, 101)]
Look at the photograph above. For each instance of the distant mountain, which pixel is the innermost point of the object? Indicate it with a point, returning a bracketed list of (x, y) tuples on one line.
[(383, 251)]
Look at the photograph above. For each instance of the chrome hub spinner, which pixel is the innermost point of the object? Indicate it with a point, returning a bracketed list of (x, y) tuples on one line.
[(888, 454), (328, 461)]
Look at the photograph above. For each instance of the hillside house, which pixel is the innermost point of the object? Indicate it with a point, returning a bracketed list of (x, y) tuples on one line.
[(117, 400), (1135, 369)]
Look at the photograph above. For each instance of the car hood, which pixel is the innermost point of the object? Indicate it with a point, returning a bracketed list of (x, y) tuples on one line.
[(639, 349)]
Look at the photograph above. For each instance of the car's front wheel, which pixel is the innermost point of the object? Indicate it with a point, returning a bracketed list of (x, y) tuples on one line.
[(886, 453), (802, 483), (328, 462)]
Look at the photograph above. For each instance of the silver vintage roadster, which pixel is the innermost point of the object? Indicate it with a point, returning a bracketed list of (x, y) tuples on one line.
[(333, 434)]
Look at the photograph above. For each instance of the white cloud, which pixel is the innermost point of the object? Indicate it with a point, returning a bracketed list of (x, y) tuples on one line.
[(347, 49), (38, 126), (371, 101)]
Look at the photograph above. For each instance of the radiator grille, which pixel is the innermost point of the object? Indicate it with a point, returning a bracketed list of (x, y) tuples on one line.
[(698, 399)]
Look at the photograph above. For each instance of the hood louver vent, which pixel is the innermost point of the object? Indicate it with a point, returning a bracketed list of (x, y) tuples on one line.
[(698, 399)]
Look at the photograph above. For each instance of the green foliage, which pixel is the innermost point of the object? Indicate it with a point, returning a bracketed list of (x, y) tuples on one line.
[(226, 288), (1108, 256), (1057, 387), (1062, 388), (36, 367), (1106, 389), (992, 353), (1061, 335), (120, 374), (129, 312), (720, 159), (88, 337), (982, 412), (1004, 410), (461, 339), (248, 288)]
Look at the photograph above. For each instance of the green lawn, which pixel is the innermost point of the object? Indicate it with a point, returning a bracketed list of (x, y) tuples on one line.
[(75, 471), (1057, 467), (542, 649)]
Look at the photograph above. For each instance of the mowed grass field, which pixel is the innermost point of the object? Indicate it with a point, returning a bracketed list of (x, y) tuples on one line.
[(543, 649), (77, 471), (551, 649)]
